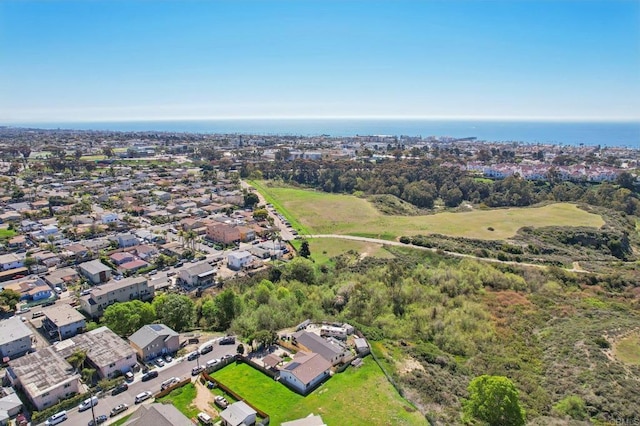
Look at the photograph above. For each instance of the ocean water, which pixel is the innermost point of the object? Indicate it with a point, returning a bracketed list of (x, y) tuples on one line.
[(609, 134)]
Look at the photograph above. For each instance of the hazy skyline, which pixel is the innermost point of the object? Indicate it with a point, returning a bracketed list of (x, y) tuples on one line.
[(154, 60)]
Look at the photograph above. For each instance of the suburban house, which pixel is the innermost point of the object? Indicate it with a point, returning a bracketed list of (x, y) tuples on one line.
[(109, 354), (133, 266), (313, 343), (146, 252), (198, 275), (30, 288), (154, 340), (44, 377), (63, 321), (10, 406), (108, 217), (124, 290), (310, 420), (61, 277), (15, 338), (95, 271), (238, 413), (127, 240), (11, 261), (122, 257), (305, 371), (157, 415), (239, 259)]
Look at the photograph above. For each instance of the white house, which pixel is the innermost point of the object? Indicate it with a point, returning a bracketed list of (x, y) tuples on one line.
[(238, 413), (238, 259), (108, 217), (305, 371)]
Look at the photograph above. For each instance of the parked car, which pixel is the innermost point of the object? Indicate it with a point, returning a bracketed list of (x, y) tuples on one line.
[(142, 396), (88, 403), (206, 349), (193, 355), (119, 389), (128, 376), (159, 362), (99, 420), (56, 418), (229, 340), (197, 370), (168, 358), (150, 375), (204, 418), (118, 409), (221, 401), (169, 382)]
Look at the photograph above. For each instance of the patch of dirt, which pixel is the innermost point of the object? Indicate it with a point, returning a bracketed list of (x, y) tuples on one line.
[(409, 364), (204, 400)]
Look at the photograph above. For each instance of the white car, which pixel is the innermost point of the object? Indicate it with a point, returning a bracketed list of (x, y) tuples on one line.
[(204, 418), (142, 396), (88, 403)]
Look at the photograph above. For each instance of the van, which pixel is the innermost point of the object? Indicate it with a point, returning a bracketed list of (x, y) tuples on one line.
[(143, 396), (88, 403), (212, 362), (37, 314), (56, 418)]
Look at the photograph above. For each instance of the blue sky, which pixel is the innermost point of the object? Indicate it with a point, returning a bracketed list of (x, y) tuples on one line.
[(115, 60)]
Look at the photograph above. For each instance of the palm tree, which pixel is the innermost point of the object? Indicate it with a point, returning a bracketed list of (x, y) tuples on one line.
[(77, 359)]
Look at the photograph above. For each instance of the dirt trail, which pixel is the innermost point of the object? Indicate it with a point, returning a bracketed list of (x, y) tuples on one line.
[(204, 400)]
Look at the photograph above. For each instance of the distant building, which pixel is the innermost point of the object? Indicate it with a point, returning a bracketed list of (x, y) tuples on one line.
[(127, 240), (63, 321), (44, 376), (11, 261), (124, 290), (109, 354), (16, 338), (198, 275), (154, 340), (237, 414), (314, 343), (95, 271), (237, 260)]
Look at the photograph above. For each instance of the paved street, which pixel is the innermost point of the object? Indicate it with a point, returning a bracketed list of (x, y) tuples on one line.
[(180, 368)]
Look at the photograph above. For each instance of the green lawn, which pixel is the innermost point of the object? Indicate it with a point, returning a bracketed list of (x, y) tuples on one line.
[(354, 397), (6, 233), (182, 398), (323, 213), (627, 350)]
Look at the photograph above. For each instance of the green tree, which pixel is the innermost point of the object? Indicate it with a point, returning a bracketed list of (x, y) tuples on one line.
[(9, 299), (304, 250), (251, 199), (77, 359), (127, 317), (227, 308), (572, 406), (266, 338), (88, 374), (260, 214), (494, 400), (175, 311)]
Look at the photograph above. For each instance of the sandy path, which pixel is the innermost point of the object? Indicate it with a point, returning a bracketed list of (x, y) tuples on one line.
[(204, 400)]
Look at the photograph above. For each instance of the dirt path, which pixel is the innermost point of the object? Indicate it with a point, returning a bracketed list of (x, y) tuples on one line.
[(204, 400)]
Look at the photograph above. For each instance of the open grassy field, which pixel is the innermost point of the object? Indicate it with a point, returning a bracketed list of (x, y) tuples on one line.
[(6, 233), (322, 213), (355, 397), (323, 249), (627, 350), (182, 398)]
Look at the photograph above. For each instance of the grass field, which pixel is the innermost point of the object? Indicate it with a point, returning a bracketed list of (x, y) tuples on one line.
[(323, 213), (322, 249), (627, 350), (355, 397), (7, 233), (182, 398)]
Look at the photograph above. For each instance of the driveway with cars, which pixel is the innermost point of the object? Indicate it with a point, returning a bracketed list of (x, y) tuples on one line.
[(180, 368)]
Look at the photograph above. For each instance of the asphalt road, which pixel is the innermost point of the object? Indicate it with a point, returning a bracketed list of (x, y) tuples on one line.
[(180, 368)]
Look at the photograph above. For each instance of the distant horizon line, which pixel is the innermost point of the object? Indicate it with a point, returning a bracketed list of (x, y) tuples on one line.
[(568, 119)]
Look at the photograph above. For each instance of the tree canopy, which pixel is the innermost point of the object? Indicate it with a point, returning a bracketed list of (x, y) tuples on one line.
[(175, 311), (494, 400), (127, 317)]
